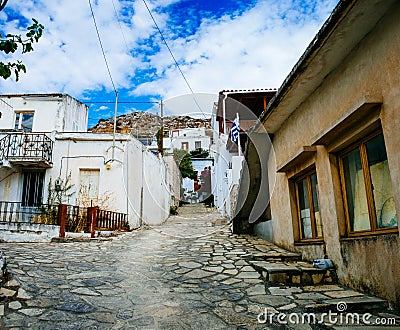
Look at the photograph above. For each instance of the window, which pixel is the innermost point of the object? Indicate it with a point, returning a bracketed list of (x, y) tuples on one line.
[(197, 144), (367, 187), (89, 186), (32, 188), (24, 121), (185, 146), (307, 207)]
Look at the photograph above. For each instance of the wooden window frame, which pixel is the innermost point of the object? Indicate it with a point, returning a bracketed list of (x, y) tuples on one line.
[(296, 181), (361, 145), (185, 144)]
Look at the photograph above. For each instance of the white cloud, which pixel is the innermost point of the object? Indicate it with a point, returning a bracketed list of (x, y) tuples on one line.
[(253, 49)]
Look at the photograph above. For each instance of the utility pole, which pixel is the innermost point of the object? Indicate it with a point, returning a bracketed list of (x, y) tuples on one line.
[(161, 130), (115, 125)]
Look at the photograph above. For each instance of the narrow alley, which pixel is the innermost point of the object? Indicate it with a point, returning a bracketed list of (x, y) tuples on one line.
[(190, 273)]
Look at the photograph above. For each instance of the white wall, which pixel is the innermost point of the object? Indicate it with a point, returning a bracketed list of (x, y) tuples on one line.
[(121, 181), (51, 112), (76, 151), (174, 177), (10, 185), (149, 193), (190, 136), (222, 159), (134, 181), (133, 169), (224, 177), (21, 233)]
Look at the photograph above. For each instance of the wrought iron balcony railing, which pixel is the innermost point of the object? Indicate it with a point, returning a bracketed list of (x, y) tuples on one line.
[(25, 148)]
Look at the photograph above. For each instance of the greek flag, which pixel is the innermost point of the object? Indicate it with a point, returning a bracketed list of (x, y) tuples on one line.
[(235, 131)]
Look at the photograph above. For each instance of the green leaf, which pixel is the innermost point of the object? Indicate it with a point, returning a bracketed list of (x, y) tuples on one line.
[(10, 45)]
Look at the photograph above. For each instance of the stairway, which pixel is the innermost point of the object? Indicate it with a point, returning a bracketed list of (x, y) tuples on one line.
[(287, 276)]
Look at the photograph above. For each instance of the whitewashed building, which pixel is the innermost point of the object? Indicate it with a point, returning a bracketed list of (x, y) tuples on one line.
[(188, 139), (246, 105), (226, 172), (45, 147)]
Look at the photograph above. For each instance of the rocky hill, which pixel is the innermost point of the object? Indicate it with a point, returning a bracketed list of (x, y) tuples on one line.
[(146, 124)]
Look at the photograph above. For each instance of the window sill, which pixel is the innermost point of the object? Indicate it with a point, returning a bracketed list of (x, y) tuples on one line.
[(371, 236), (310, 242)]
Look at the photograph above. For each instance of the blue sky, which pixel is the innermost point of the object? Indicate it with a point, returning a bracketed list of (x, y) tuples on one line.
[(229, 44)]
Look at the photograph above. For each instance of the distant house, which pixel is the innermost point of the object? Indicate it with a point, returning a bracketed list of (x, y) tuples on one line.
[(188, 139), (334, 123), (45, 146)]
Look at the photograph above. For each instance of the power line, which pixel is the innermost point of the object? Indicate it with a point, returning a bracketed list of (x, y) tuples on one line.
[(125, 102), (173, 57), (101, 46), (122, 32)]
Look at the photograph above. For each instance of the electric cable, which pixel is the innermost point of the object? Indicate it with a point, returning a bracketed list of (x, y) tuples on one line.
[(173, 57), (102, 48), (122, 33)]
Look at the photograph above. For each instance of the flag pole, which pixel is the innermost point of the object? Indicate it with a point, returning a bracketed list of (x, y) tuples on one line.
[(238, 125)]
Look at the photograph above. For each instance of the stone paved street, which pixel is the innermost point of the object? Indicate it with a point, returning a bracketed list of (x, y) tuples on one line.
[(186, 274)]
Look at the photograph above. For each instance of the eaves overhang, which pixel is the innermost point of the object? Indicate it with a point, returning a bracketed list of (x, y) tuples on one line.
[(348, 24)]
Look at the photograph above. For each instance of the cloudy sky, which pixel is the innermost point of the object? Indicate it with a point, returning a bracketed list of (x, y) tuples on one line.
[(219, 44)]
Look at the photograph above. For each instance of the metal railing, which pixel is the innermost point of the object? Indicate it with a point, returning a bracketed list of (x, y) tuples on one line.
[(76, 217), (17, 212), (109, 220), (30, 146)]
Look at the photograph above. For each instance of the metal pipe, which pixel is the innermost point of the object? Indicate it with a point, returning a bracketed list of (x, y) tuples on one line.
[(69, 157)]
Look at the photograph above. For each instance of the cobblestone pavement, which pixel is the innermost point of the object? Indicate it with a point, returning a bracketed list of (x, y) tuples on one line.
[(186, 274)]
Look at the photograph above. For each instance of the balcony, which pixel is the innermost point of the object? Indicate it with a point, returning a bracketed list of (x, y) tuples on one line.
[(27, 149)]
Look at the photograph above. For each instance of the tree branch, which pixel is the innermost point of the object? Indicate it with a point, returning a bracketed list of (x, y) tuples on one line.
[(2, 4)]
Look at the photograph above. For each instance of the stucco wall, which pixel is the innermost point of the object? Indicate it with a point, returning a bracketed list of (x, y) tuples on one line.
[(23, 232), (76, 115), (10, 185), (174, 178), (372, 68), (149, 194), (120, 180), (74, 152), (50, 113)]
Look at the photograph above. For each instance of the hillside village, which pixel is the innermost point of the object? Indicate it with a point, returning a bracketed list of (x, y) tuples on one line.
[(291, 206), (145, 124)]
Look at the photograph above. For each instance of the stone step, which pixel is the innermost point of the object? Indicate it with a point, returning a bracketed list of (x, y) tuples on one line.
[(294, 273), (345, 305), (323, 298), (277, 256)]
